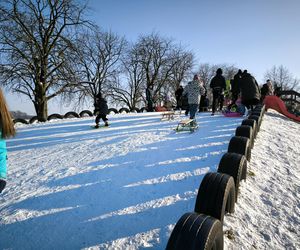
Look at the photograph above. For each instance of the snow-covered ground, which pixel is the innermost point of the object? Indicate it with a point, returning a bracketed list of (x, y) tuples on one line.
[(125, 187)]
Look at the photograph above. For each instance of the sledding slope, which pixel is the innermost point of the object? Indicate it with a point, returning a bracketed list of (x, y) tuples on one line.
[(277, 104)]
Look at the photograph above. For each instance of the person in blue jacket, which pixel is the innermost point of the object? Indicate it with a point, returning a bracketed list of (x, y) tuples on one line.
[(6, 130)]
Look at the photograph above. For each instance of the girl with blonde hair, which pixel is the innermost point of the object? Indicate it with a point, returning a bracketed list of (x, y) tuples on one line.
[(6, 130)]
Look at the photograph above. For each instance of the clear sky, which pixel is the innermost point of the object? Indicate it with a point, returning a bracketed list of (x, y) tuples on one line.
[(251, 34)]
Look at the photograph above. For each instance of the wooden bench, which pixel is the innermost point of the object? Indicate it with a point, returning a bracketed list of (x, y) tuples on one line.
[(169, 115)]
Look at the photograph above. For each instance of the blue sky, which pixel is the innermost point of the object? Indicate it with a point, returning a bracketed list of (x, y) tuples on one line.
[(251, 34)]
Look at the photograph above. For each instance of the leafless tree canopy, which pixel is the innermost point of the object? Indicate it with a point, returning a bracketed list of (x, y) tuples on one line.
[(129, 90), (36, 40), (281, 77), (98, 59)]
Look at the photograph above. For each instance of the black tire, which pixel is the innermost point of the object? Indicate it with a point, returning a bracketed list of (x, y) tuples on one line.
[(2, 185), (246, 131), (126, 110), (54, 116), (196, 231), (234, 165), (261, 108), (240, 145), (135, 110), (252, 123), (216, 195), (112, 110), (20, 120), (71, 114), (33, 119), (143, 109), (257, 119), (85, 112)]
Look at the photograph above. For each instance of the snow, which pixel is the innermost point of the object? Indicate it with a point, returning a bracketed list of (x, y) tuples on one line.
[(126, 186)]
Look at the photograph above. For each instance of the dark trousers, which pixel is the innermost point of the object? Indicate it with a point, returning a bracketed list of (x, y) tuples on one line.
[(178, 102), (150, 106), (250, 103), (218, 99), (100, 116)]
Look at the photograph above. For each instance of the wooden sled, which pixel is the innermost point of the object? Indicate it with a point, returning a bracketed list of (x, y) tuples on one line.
[(187, 125)]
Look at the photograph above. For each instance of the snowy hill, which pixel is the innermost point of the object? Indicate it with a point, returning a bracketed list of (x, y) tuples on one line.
[(125, 187)]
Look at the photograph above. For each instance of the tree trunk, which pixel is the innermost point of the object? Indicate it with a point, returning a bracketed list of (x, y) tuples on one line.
[(41, 106)]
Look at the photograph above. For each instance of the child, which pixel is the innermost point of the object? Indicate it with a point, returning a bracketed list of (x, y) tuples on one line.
[(6, 130), (236, 109), (101, 110)]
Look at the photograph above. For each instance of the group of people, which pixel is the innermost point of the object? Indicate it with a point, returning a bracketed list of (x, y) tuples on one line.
[(245, 91)]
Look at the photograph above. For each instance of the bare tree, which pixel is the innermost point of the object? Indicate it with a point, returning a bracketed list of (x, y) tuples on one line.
[(36, 40), (207, 71), (98, 61), (183, 65), (130, 92), (281, 77), (155, 56)]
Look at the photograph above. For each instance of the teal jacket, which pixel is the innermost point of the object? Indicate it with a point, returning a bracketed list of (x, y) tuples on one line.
[(3, 157)]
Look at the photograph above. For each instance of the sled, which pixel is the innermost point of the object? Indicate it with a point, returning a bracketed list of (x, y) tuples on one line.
[(232, 114), (187, 125)]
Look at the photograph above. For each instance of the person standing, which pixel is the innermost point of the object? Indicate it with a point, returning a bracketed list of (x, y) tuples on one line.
[(235, 90), (270, 87), (7, 130), (218, 85), (267, 89), (194, 90), (250, 93), (149, 98), (178, 95), (101, 110)]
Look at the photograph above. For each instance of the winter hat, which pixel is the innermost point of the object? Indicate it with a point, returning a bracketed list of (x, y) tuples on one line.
[(219, 71)]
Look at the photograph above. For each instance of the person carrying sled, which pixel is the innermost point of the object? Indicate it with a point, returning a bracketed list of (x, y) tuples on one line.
[(194, 90), (6, 130), (218, 85), (101, 110)]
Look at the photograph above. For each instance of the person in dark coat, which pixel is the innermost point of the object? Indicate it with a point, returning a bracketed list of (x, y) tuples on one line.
[(249, 89), (204, 102), (149, 98), (235, 90), (178, 95), (218, 85), (101, 110)]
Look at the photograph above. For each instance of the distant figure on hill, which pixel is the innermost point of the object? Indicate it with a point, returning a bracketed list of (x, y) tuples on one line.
[(218, 85), (6, 130), (249, 89), (101, 110), (194, 90), (267, 89), (178, 95)]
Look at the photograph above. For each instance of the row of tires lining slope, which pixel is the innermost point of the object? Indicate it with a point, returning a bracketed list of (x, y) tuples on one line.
[(218, 192), (72, 114)]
